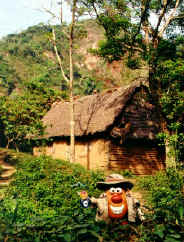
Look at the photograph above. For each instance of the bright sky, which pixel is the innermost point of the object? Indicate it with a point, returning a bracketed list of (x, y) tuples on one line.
[(17, 15)]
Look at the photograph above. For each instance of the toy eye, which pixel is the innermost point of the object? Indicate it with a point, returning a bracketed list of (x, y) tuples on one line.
[(112, 189), (119, 190)]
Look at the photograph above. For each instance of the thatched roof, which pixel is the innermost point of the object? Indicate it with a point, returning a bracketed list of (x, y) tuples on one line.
[(93, 113)]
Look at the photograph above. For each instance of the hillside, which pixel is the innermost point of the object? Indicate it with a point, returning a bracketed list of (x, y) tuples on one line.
[(29, 55)]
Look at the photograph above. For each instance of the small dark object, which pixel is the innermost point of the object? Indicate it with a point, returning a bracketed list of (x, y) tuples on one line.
[(85, 203)]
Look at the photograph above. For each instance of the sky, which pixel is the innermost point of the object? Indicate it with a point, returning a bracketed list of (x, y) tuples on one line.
[(18, 15)]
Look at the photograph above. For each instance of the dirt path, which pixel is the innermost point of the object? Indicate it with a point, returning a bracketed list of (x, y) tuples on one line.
[(7, 172)]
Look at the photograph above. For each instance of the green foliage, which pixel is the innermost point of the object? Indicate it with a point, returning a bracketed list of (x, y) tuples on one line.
[(26, 53), (110, 49), (133, 63), (127, 23), (87, 85), (166, 50), (115, 23), (180, 46), (170, 74), (42, 204), (120, 31), (21, 115), (165, 219), (8, 77), (30, 56)]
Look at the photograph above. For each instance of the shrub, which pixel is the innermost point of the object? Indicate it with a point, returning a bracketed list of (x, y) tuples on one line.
[(42, 204), (165, 219), (133, 63)]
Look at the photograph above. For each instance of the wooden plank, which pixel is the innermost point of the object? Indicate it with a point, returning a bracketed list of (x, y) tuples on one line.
[(140, 160), (138, 171), (134, 165), (146, 164)]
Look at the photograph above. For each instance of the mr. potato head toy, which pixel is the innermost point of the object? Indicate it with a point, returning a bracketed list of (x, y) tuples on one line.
[(117, 201)]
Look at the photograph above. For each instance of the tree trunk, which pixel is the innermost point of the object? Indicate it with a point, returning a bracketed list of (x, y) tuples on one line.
[(61, 12), (170, 155), (72, 120), (69, 80), (156, 92), (170, 158)]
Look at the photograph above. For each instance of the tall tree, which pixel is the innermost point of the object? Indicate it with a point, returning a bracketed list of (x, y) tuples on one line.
[(140, 26), (69, 80)]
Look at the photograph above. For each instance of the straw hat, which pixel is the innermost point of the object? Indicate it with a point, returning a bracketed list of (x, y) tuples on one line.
[(115, 180)]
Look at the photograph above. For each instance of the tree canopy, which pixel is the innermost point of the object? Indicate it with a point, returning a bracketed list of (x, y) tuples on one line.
[(20, 115), (151, 30), (133, 25)]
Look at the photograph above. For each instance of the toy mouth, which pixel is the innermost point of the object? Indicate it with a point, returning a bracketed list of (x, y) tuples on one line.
[(117, 210)]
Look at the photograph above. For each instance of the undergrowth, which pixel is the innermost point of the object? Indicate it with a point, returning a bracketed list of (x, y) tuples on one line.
[(42, 204), (165, 211)]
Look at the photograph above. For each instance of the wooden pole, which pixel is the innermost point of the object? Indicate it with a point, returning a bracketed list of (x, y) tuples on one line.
[(72, 119)]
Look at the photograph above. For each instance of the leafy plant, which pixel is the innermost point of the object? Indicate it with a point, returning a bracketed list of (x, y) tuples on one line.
[(166, 210), (8, 76), (21, 115), (42, 204)]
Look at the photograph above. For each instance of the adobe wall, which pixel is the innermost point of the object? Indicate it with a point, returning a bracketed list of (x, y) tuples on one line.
[(105, 155), (92, 154)]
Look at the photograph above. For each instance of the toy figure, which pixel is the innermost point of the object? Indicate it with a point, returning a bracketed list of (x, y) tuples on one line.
[(85, 200), (117, 201)]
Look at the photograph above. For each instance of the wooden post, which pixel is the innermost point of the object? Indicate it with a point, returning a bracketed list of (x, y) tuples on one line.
[(108, 154), (88, 155), (72, 120)]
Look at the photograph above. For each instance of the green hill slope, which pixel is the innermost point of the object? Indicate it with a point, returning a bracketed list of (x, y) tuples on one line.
[(30, 55)]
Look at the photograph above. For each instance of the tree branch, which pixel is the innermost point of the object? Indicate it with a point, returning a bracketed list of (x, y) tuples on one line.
[(134, 48), (162, 14), (143, 21), (179, 16), (56, 17), (58, 56), (170, 18)]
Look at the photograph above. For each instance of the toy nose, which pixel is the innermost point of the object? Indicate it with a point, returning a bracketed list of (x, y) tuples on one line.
[(116, 198)]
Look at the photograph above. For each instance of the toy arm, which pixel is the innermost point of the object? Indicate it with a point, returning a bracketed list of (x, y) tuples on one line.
[(94, 200)]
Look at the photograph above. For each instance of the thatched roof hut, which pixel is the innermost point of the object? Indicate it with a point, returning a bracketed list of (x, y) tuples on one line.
[(97, 113), (114, 130)]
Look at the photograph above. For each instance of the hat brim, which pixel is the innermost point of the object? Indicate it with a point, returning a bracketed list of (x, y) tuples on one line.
[(123, 184)]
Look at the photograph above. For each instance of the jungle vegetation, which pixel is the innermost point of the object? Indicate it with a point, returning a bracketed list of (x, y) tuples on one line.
[(40, 205)]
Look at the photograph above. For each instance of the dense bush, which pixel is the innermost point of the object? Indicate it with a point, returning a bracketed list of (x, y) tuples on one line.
[(133, 63), (42, 204), (166, 209), (20, 115)]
